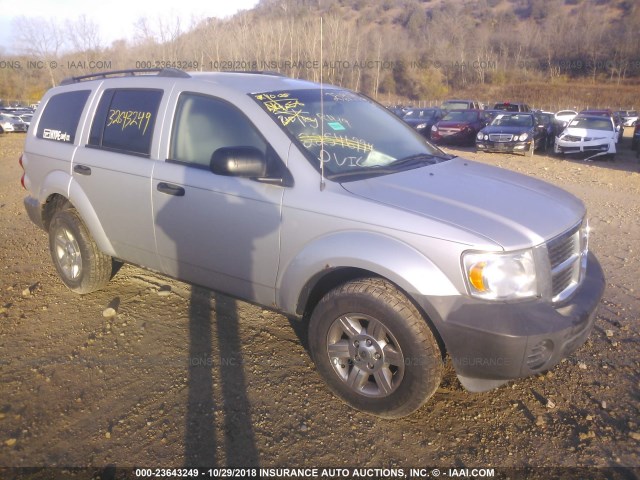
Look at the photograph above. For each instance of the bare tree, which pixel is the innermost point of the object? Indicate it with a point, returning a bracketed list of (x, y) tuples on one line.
[(41, 39), (83, 34)]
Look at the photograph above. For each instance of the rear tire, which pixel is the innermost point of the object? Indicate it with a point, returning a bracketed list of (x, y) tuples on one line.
[(374, 349), (79, 262)]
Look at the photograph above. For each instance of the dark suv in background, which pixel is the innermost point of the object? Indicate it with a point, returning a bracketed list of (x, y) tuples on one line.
[(461, 105), (512, 107)]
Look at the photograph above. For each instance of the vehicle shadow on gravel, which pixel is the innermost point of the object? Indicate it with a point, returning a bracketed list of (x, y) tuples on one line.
[(218, 428), (206, 309)]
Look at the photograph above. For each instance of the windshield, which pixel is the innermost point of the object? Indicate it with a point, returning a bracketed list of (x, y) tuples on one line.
[(591, 123), (517, 120), (349, 133), (460, 116)]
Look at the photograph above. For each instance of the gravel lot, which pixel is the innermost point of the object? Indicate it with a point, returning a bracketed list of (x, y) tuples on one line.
[(182, 376)]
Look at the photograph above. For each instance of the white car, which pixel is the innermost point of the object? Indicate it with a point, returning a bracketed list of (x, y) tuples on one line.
[(588, 135), (11, 123), (629, 118), (564, 116)]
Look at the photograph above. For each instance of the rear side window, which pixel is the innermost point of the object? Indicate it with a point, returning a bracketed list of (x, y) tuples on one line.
[(125, 119), (60, 118)]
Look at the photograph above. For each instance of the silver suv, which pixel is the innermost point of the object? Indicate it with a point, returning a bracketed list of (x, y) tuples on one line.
[(318, 202)]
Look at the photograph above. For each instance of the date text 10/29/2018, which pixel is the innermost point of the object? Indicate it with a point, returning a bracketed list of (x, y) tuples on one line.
[(323, 473)]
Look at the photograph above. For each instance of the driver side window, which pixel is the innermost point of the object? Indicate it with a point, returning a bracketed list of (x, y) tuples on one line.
[(203, 124)]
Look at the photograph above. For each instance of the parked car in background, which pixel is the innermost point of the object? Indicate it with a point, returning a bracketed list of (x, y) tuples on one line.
[(589, 136), (422, 119), (11, 123), (490, 114), (635, 140), (26, 118), (617, 120), (552, 129), (398, 110), (512, 107), (458, 127), (512, 132), (629, 117), (460, 105), (563, 117)]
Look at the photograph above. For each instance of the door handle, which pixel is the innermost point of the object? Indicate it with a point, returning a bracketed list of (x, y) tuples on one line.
[(82, 170), (170, 189)]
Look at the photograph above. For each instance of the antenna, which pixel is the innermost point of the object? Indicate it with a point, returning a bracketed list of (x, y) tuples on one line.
[(322, 185)]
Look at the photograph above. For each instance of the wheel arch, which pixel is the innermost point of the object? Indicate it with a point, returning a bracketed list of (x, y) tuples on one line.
[(322, 283), (332, 260), (55, 199)]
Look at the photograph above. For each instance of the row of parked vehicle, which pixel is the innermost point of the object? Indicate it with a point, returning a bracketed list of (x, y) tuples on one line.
[(516, 128), (15, 119)]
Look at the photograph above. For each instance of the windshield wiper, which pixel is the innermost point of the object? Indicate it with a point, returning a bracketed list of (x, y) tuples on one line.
[(412, 161), (418, 159)]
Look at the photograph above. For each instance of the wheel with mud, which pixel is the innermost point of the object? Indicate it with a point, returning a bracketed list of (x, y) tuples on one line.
[(374, 349), (532, 149), (79, 262)]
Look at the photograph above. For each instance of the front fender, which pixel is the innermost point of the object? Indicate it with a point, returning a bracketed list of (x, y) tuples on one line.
[(380, 254)]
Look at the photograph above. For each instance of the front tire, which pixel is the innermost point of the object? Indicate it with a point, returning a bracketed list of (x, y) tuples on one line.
[(79, 262), (532, 149), (374, 349)]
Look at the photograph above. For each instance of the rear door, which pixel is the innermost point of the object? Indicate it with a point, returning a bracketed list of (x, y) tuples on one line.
[(114, 170)]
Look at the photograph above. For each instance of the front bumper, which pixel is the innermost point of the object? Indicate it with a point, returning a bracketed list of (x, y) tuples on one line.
[(507, 147), (491, 343), (596, 147), (461, 137)]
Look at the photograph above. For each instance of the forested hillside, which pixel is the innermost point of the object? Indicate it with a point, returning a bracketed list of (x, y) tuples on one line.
[(390, 49)]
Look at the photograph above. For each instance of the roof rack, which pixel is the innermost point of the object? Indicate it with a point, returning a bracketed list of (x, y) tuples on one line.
[(161, 72)]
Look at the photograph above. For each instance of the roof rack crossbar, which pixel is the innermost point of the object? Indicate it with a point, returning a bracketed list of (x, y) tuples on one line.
[(161, 72)]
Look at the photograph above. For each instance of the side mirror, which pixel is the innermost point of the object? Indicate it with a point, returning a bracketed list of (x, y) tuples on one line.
[(248, 162)]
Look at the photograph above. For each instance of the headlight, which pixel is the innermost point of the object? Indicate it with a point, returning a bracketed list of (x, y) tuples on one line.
[(500, 276), (479, 136), (523, 137), (421, 126), (434, 129), (486, 137)]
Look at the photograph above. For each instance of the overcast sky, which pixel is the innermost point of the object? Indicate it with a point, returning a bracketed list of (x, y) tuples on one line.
[(115, 17)]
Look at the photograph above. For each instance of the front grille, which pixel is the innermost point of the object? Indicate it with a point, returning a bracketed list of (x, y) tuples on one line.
[(567, 256), (500, 137), (449, 131)]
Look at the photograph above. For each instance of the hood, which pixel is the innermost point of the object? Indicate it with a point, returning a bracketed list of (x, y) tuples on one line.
[(588, 133), (512, 210), (505, 129), (457, 125)]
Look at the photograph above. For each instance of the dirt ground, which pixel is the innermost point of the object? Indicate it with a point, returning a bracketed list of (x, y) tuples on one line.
[(183, 376)]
